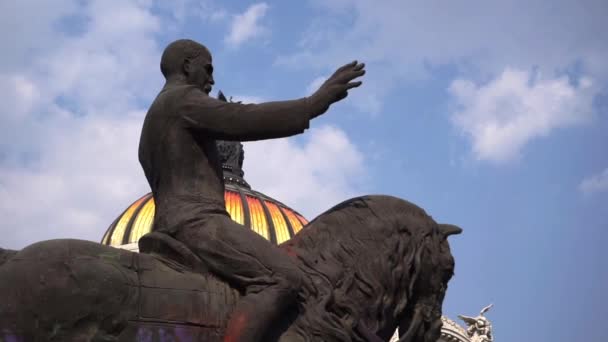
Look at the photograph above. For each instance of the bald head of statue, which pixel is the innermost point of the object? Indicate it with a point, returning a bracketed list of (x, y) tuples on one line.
[(186, 61)]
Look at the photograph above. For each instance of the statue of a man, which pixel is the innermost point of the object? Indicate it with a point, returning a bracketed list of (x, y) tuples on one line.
[(179, 156)]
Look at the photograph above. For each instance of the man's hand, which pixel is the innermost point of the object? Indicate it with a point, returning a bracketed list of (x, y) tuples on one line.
[(336, 87)]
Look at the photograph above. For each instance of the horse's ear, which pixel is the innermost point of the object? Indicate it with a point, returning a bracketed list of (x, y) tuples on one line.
[(449, 229), (221, 96)]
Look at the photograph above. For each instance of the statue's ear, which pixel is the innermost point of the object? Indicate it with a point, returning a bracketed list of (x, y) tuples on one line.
[(187, 66), (449, 229)]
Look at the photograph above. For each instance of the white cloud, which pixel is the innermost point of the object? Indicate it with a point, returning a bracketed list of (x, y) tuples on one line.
[(182, 10), (87, 173), (325, 170), (245, 99), (114, 56), (405, 40), (218, 15), (70, 127), (246, 26), (503, 115), (20, 93), (366, 101), (26, 28), (595, 183), (315, 84)]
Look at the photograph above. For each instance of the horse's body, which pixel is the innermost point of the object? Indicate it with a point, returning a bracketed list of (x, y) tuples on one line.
[(373, 262), (73, 290)]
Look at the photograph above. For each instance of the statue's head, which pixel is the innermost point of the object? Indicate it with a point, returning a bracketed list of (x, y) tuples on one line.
[(190, 61), (482, 322)]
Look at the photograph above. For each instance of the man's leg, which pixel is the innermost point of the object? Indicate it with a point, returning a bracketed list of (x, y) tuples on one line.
[(245, 259), (256, 311)]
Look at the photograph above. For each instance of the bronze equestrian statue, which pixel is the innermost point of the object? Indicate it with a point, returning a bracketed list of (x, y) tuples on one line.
[(354, 274), (375, 263)]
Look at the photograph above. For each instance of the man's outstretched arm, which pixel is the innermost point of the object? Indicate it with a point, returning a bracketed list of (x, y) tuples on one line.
[(246, 122)]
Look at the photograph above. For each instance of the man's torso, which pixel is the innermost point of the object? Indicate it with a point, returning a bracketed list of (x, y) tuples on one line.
[(182, 166)]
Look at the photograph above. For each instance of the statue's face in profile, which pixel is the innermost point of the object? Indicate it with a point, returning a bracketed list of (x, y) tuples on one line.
[(199, 71)]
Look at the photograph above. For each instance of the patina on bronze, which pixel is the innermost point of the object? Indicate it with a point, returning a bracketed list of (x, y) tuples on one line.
[(354, 273)]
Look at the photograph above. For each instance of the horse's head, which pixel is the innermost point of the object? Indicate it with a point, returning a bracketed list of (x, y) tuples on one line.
[(376, 262), (421, 320)]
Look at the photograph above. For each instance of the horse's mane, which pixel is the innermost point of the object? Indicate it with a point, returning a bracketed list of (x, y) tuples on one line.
[(364, 250)]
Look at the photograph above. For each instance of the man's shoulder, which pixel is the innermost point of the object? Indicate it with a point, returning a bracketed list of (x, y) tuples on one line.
[(176, 95), (180, 90)]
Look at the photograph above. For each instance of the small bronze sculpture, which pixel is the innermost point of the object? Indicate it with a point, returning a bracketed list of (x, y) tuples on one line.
[(479, 328), (355, 273)]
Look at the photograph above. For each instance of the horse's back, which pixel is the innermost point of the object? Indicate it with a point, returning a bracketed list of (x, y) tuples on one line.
[(175, 304), (60, 290), (54, 288)]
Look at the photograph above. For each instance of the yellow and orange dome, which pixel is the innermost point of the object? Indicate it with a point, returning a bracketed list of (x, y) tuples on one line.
[(266, 216)]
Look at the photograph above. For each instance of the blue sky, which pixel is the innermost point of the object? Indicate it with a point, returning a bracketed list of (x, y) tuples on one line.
[(490, 115)]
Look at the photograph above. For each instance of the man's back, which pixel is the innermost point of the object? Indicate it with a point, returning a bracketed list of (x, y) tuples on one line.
[(182, 166)]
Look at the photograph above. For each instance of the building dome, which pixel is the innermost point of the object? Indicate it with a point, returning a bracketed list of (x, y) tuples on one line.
[(452, 332), (266, 216)]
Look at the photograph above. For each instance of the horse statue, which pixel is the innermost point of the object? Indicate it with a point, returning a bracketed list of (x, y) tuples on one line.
[(374, 263)]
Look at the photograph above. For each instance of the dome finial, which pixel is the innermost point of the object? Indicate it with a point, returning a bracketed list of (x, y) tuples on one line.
[(231, 155)]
